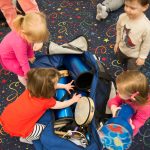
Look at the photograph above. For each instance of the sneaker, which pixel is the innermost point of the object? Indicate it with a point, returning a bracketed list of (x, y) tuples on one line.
[(101, 12), (24, 140)]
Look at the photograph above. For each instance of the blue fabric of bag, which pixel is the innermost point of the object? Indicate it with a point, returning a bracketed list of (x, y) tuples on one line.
[(49, 140)]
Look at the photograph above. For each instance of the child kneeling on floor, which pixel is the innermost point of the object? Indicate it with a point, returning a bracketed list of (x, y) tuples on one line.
[(20, 117), (132, 89)]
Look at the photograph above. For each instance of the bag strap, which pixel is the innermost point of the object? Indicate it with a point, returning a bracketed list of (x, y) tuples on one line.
[(103, 72), (69, 46)]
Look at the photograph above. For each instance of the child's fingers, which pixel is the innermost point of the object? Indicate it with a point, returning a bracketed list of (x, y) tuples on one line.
[(72, 81), (116, 111), (72, 86), (78, 95), (130, 121)]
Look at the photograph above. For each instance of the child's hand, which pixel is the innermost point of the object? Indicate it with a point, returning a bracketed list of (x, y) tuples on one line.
[(69, 86), (133, 127), (37, 46), (116, 48), (140, 61), (114, 109), (32, 60), (76, 97)]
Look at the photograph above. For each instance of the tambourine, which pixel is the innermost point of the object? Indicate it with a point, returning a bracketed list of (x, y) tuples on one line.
[(84, 111)]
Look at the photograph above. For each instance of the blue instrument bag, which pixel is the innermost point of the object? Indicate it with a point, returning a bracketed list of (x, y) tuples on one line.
[(99, 92)]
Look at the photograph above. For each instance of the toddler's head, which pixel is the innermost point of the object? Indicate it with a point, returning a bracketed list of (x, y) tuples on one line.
[(133, 85), (32, 27), (135, 8), (41, 82)]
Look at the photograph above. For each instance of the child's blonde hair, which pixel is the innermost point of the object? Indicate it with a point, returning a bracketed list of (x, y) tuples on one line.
[(33, 26), (131, 82)]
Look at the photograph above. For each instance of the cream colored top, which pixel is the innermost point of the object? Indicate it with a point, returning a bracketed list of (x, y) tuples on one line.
[(133, 36)]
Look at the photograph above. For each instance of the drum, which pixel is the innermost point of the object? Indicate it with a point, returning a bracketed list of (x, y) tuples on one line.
[(117, 133), (79, 71), (65, 115), (62, 122), (84, 111)]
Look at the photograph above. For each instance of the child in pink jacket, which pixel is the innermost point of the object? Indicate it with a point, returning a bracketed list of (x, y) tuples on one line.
[(133, 89), (16, 47)]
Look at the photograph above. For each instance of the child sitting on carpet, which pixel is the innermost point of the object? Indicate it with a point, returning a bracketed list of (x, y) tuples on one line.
[(16, 47), (133, 34), (19, 118), (133, 89)]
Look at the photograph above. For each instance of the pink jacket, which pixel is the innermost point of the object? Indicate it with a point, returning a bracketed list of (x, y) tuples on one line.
[(14, 54), (142, 113)]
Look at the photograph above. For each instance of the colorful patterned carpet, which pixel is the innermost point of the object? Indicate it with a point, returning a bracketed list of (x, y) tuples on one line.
[(68, 19)]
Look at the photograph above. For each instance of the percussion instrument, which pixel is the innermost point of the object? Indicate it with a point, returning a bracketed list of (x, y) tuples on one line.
[(80, 72), (65, 115), (67, 134), (62, 122), (116, 134), (74, 136), (84, 111)]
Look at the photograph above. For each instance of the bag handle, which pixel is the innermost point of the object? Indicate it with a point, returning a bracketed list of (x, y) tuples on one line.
[(69, 46)]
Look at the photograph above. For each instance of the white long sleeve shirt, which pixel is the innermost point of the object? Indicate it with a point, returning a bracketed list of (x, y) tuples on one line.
[(133, 36)]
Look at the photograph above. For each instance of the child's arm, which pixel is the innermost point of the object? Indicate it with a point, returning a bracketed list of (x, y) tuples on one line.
[(145, 49), (114, 110), (117, 101), (139, 119), (21, 53), (30, 51), (114, 104), (67, 103), (30, 54), (67, 87), (118, 34)]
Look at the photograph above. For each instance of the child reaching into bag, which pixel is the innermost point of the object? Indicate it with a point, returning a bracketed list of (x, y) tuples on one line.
[(16, 47), (19, 118), (133, 34), (132, 89)]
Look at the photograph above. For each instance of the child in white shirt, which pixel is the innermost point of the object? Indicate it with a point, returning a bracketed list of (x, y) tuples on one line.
[(133, 34)]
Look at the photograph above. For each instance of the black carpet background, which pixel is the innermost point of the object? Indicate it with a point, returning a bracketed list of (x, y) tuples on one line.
[(68, 19)]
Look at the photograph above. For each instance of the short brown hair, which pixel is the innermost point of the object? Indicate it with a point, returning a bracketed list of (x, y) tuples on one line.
[(40, 82), (33, 25), (134, 81), (142, 2)]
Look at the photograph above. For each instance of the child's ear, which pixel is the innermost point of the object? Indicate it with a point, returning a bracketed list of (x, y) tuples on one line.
[(145, 7)]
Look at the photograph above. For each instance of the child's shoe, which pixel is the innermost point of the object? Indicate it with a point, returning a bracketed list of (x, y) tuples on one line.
[(101, 12), (24, 140)]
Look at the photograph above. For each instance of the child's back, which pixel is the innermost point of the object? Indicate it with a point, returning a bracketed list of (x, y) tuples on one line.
[(13, 49)]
